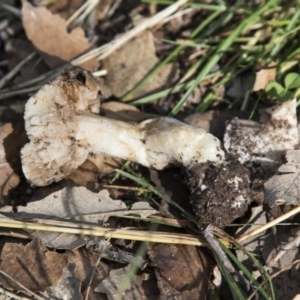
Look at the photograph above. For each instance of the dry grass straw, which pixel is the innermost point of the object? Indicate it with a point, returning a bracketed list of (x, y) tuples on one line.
[(105, 50), (120, 233), (264, 227)]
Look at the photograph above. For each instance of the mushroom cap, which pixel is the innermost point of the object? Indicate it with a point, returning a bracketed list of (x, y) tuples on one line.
[(54, 150)]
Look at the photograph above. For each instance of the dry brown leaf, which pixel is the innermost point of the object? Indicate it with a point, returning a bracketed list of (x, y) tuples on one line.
[(129, 64), (49, 35), (184, 268), (12, 138), (264, 76), (38, 269), (65, 8), (68, 286), (32, 265)]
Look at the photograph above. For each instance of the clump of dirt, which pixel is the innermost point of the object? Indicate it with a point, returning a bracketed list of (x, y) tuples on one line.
[(219, 195)]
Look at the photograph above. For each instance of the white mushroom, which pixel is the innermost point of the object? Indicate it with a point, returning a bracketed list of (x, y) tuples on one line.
[(63, 129)]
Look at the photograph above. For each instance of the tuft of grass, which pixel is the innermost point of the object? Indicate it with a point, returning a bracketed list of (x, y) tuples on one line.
[(255, 35)]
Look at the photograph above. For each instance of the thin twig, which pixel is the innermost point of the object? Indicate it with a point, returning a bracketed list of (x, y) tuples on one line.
[(214, 244), (19, 92), (78, 17), (92, 276), (212, 241)]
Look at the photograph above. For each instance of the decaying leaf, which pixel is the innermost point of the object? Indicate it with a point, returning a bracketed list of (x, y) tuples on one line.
[(119, 285), (51, 40), (284, 188), (130, 63), (250, 141), (68, 286), (184, 267), (286, 284), (264, 76), (255, 244), (58, 274), (76, 203), (107, 250)]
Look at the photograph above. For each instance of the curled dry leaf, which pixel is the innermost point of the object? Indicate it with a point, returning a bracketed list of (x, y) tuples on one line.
[(249, 141), (284, 187), (52, 40), (129, 64)]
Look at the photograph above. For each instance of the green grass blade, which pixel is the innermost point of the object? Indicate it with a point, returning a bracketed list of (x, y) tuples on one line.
[(220, 50)]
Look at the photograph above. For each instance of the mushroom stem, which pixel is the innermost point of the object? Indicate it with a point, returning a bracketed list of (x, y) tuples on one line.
[(156, 143), (112, 137)]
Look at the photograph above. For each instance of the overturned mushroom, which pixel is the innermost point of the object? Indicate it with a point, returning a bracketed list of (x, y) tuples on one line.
[(63, 129)]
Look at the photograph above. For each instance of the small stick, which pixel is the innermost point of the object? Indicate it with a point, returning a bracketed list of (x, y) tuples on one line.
[(211, 240), (209, 236)]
